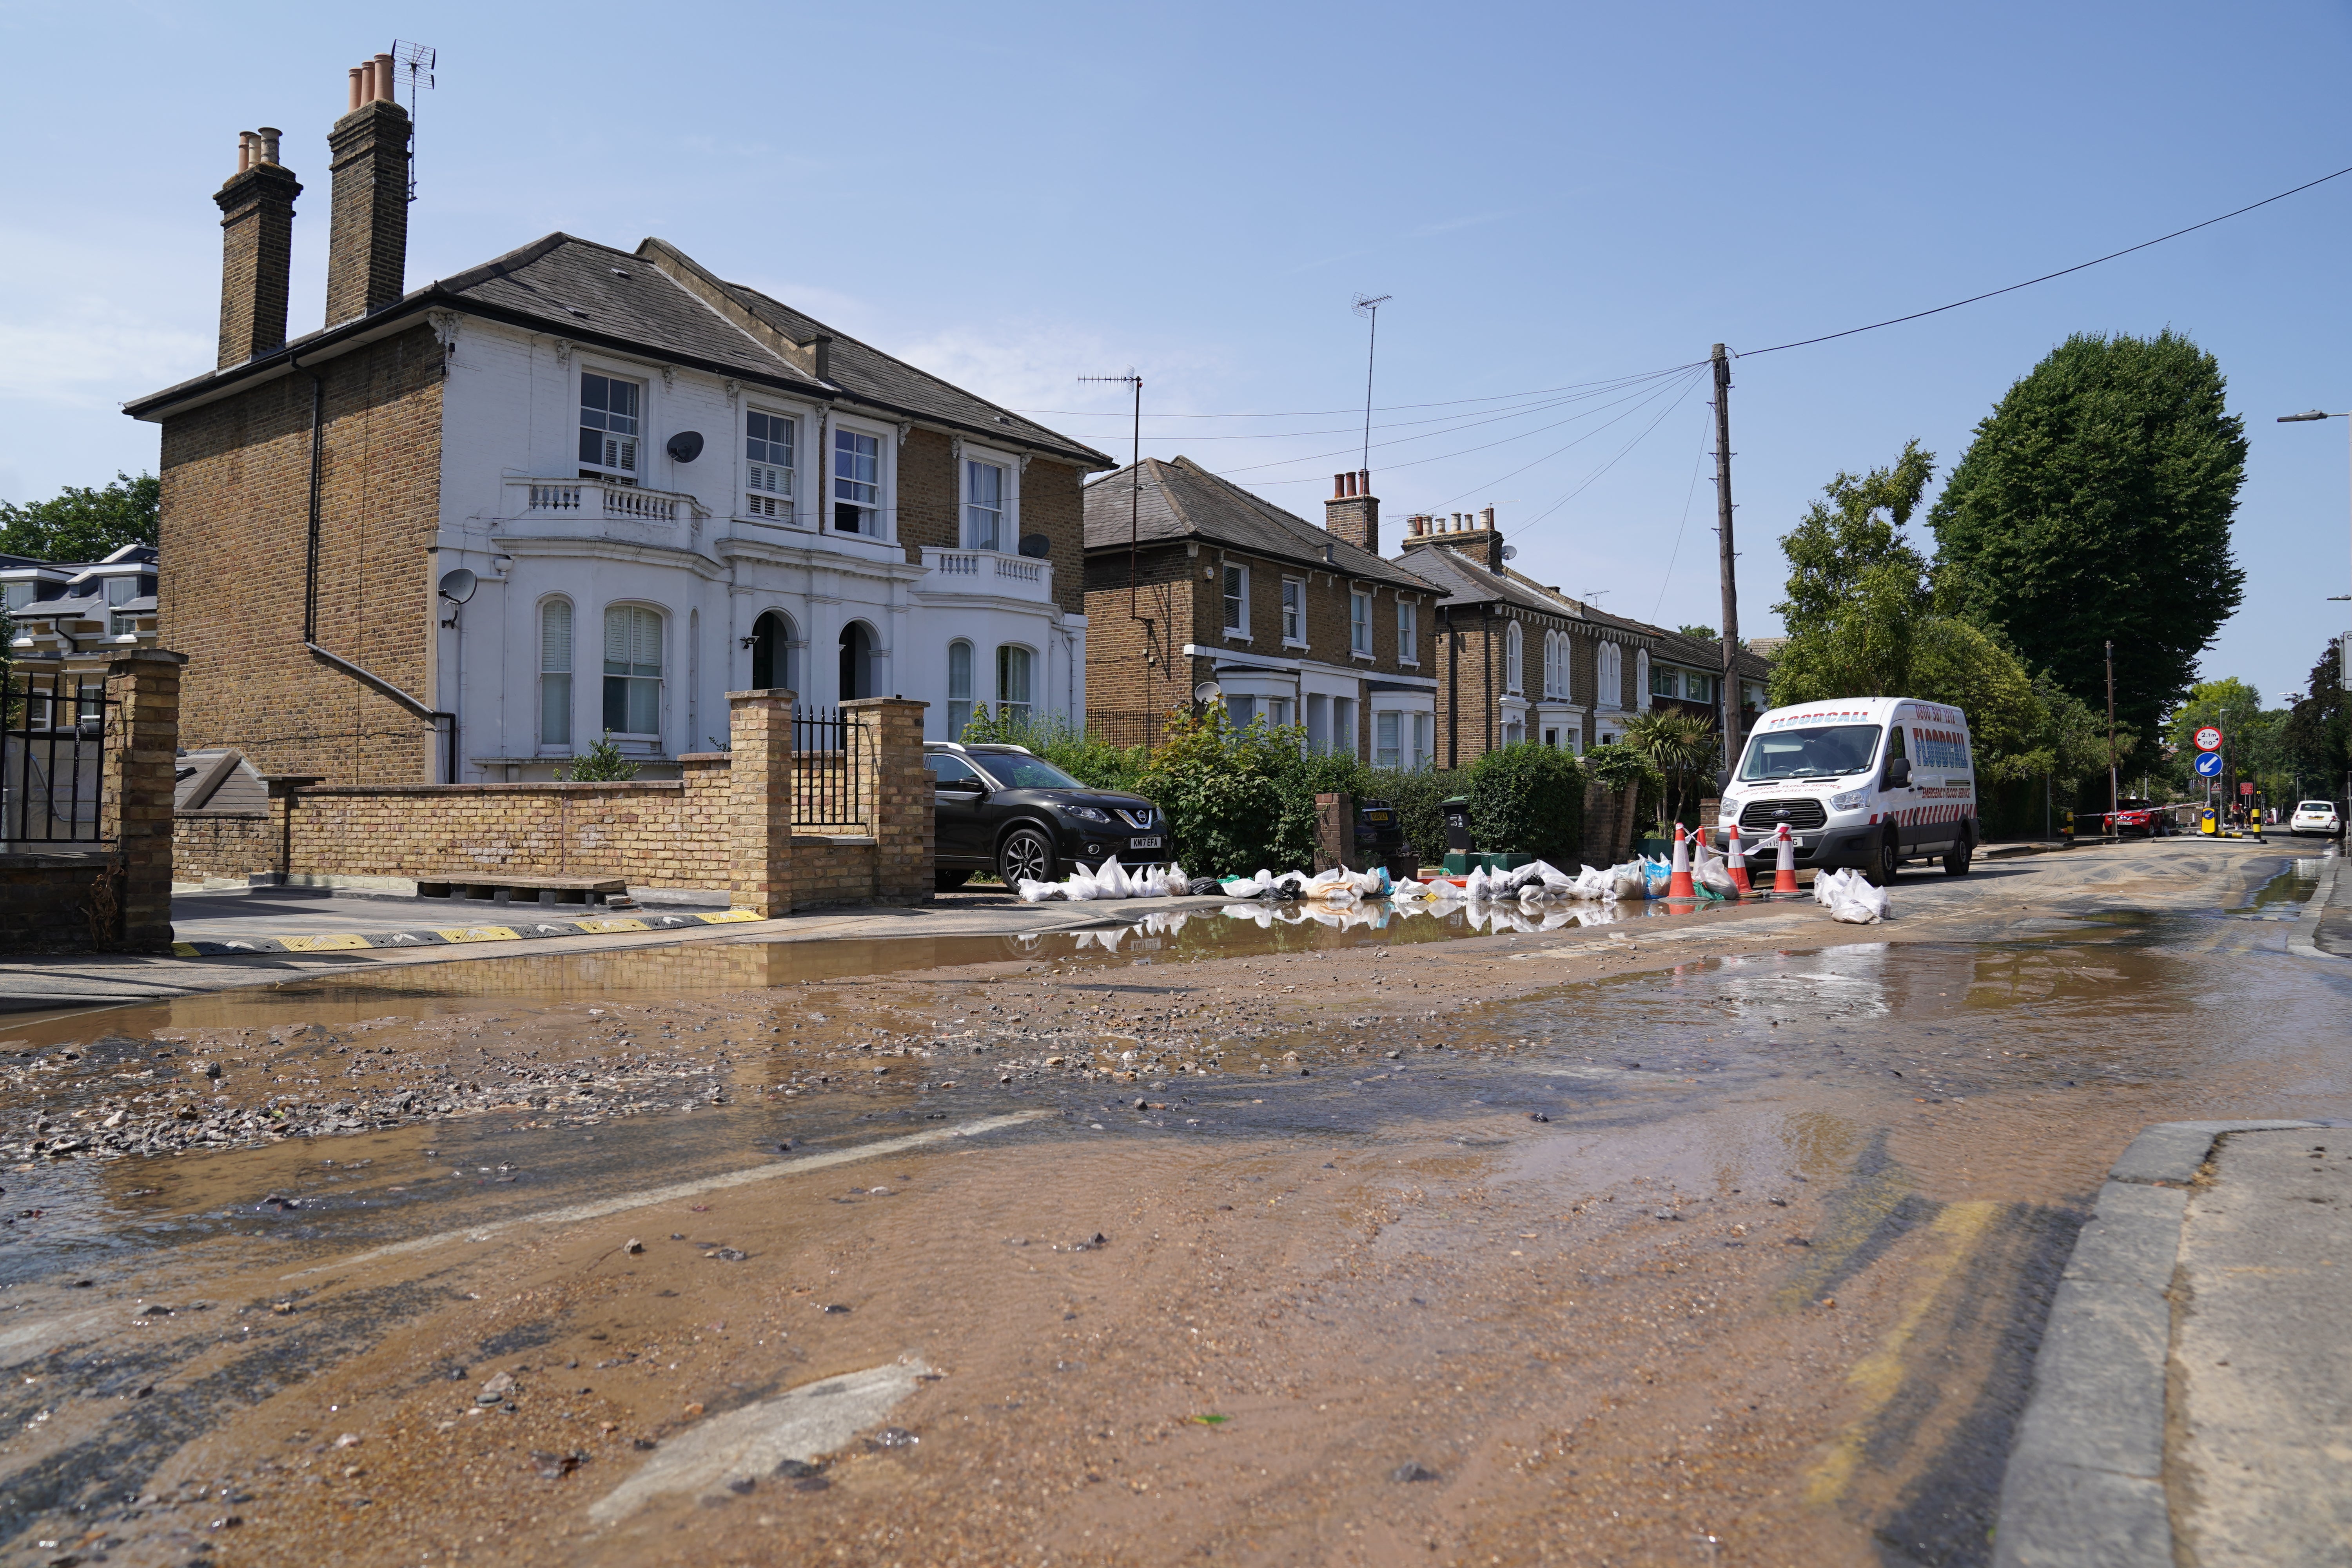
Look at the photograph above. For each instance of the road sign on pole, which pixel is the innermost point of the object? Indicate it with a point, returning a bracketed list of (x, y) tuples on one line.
[(2209, 739), (2245, 789), (2208, 764)]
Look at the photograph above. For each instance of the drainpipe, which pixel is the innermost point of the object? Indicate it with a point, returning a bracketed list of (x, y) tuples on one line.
[(310, 582), (1453, 689)]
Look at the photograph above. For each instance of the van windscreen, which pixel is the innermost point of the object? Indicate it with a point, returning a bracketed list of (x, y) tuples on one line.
[(1816, 753)]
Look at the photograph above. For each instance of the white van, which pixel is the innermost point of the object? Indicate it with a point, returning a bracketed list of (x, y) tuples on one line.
[(1866, 782)]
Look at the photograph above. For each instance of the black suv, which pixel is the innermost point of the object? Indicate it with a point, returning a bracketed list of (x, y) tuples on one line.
[(1007, 810)]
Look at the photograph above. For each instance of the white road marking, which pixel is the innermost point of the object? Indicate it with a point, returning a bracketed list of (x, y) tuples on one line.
[(602, 1206), (750, 1442)]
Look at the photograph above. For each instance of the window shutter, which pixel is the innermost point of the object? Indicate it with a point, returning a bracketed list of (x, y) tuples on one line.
[(555, 638)]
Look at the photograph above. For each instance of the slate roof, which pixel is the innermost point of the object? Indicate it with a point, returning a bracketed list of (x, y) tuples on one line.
[(1467, 582), (1182, 500), (595, 293)]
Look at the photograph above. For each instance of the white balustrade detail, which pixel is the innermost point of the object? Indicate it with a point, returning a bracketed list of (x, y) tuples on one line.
[(573, 498), (987, 571)]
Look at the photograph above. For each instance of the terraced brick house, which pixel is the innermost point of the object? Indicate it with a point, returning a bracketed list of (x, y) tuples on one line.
[(1199, 591), (643, 486), (74, 618)]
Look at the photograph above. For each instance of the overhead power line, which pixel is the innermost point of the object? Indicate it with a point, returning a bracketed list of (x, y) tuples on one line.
[(2013, 288)]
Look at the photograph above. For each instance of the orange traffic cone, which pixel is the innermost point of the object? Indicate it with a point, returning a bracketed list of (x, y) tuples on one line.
[(1678, 880), (1784, 874), (1735, 859)]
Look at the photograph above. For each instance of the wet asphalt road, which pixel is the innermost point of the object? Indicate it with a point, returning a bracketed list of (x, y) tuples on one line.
[(1907, 1121)]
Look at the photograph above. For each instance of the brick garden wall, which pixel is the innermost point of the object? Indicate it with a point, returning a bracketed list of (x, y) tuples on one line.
[(208, 844)]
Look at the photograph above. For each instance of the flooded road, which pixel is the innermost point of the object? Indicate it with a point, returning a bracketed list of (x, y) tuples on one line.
[(1722, 1239)]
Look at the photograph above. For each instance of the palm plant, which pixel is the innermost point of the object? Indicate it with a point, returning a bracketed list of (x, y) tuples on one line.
[(1681, 745)]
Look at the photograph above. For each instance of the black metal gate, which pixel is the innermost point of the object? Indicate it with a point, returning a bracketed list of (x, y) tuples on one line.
[(829, 769), (53, 730)]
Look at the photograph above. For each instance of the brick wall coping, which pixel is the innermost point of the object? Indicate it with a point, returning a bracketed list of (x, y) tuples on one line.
[(525, 787), (704, 757)]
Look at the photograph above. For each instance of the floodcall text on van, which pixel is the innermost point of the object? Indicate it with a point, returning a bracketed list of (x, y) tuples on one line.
[(1866, 782)]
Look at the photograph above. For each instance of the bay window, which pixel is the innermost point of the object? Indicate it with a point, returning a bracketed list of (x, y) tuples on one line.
[(959, 688), (633, 670), (1385, 728), (555, 673), (1012, 684)]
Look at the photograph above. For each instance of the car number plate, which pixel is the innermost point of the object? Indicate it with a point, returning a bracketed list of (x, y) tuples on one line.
[(1150, 843)]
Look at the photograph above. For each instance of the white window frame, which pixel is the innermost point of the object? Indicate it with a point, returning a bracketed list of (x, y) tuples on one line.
[(1408, 632), (959, 709), (1025, 708), (559, 745), (1666, 680), (1424, 741), (1343, 726), (1231, 598), (611, 470), (1514, 658), (1388, 733), (1008, 522), (1293, 611), (1609, 677), (1360, 624), (1642, 679), (769, 488), (660, 677), (878, 523)]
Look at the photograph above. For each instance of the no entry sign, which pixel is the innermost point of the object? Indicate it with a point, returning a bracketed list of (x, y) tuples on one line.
[(2209, 739)]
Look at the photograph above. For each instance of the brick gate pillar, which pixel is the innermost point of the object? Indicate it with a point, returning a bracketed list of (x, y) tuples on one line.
[(1335, 831), (760, 801), (142, 741), (897, 798)]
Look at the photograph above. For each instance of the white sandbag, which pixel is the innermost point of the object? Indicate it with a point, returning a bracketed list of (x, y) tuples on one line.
[(1111, 878), (1325, 879), (1627, 878), (1559, 883), (1369, 884), (1711, 873), (1079, 886), (1592, 886), (1246, 887), (1178, 882), (1474, 886), (1037, 892), (1850, 897), (1257, 913)]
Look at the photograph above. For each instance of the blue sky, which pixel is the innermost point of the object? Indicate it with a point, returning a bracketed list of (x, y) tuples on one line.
[(1017, 195)]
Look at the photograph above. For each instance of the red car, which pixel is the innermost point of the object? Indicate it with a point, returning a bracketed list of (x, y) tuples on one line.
[(2138, 816)]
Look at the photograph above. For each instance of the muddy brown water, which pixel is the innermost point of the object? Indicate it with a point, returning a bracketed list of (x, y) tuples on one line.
[(1762, 1285)]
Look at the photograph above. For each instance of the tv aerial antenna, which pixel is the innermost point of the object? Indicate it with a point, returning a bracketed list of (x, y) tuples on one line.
[(1369, 307), (412, 67), (1134, 383)]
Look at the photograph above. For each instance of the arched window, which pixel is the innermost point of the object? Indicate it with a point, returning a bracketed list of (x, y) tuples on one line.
[(959, 688), (857, 661), (1552, 682), (555, 673), (1511, 658), (633, 670), (1642, 678), (1013, 683), (772, 636), (1609, 675)]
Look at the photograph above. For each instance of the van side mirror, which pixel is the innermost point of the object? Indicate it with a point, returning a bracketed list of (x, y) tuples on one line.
[(1898, 773)]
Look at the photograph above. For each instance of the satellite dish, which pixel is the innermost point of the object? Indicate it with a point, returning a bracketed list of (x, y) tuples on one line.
[(1511, 552), (459, 586), (1036, 546), (686, 445), (1206, 692)]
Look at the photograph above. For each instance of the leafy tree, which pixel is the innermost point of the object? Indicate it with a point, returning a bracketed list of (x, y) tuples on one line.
[(1703, 634), (2095, 504), (83, 524), (2254, 738), (2316, 737), (1528, 797)]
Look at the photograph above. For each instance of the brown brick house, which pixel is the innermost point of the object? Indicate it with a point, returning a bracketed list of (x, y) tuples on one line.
[(645, 486), (1199, 591)]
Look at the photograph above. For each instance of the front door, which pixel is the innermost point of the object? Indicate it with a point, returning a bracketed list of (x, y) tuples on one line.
[(961, 835)]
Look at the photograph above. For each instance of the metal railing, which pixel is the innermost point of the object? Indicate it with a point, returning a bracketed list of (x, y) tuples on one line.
[(52, 760), (597, 498), (832, 763)]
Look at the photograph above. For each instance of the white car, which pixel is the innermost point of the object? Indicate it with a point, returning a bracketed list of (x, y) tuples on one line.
[(2317, 816)]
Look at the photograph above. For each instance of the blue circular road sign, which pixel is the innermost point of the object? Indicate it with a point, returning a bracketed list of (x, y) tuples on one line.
[(2208, 764)]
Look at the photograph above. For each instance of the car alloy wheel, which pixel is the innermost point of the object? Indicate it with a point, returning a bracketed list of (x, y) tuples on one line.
[(1026, 856)]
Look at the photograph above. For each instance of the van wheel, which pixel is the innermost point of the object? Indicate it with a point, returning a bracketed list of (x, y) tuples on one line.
[(1890, 861), (1956, 864)]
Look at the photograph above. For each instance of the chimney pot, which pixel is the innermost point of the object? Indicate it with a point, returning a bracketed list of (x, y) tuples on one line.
[(268, 136), (354, 101), (1486, 518), (1363, 481), (367, 81), (257, 207), (1338, 486), (383, 79), (245, 140)]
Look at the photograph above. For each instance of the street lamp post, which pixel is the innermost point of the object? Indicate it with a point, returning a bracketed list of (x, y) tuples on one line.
[(2345, 644)]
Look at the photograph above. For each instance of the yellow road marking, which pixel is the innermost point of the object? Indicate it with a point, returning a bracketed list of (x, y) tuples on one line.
[(321, 943), (614, 924), (728, 917), (479, 934), (1878, 1376)]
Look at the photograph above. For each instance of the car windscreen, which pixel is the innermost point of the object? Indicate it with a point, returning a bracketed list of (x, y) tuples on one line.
[(1810, 753), (1012, 771), (2316, 805)]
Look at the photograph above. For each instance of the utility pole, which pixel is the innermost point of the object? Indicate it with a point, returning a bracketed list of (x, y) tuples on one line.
[(2113, 793), (1731, 716)]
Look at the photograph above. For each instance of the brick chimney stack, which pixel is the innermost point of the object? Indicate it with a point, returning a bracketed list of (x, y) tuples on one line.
[(1353, 513), (1474, 534), (367, 244), (256, 205)]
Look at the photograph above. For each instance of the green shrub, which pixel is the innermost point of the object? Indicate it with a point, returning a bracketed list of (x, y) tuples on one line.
[(1237, 799), (1093, 763), (602, 763), (1419, 798), (1529, 798)]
